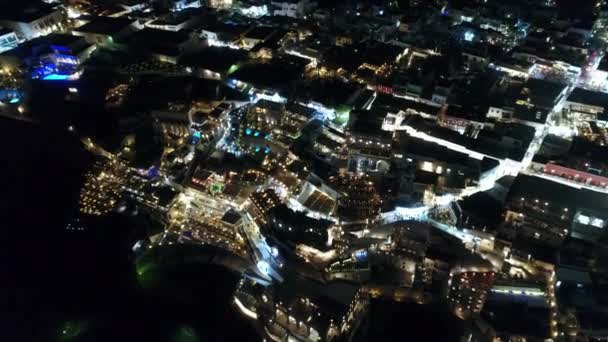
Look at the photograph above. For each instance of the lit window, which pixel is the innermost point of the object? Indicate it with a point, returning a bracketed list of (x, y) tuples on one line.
[(427, 166)]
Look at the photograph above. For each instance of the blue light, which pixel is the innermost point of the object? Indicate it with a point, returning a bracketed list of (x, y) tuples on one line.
[(257, 149), (59, 48), (361, 256), (153, 172), (469, 36), (14, 100), (264, 267), (256, 134), (267, 150), (197, 134), (267, 136), (66, 59), (55, 77), (44, 70), (248, 131)]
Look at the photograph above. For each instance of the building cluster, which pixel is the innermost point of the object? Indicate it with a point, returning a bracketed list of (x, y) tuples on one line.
[(101, 190), (349, 151)]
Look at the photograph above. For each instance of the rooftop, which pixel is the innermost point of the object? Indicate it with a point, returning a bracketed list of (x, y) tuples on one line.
[(531, 113), (231, 217), (47, 43), (368, 122), (543, 93), (161, 37), (420, 147), (514, 316), (176, 18), (589, 97), (219, 59), (560, 194), (260, 32), (299, 109), (381, 53), (395, 104), (105, 25), (229, 31)]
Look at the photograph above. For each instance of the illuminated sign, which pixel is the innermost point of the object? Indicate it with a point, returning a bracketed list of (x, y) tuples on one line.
[(384, 89)]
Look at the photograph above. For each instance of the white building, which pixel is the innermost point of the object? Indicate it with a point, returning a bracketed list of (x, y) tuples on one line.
[(34, 21), (183, 4), (254, 11), (8, 40), (293, 8), (219, 3), (133, 6), (499, 113), (173, 22), (514, 68), (586, 105)]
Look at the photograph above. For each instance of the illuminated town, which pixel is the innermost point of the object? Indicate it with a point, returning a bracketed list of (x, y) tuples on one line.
[(343, 159)]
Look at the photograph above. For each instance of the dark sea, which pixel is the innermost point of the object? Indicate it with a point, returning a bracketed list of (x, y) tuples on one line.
[(64, 285)]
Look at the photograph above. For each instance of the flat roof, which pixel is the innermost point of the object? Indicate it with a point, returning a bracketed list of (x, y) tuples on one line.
[(260, 32), (509, 315), (589, 97), (514, 63), (394, 104), (572, 275), (543, 93), (219, 59), (347, 57), (175, 18), (433, 150), (231, 217), (567, 196), (487, 142), (533, 114), (170, 20), (33, 46), (380, 53), (161, 37), (226, 29), (105, 25), (589, 150), (327, 141), (368, 122), (573, 39), (299, 109)]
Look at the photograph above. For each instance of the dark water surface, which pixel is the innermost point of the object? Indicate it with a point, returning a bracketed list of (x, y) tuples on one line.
[(64, 285)]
